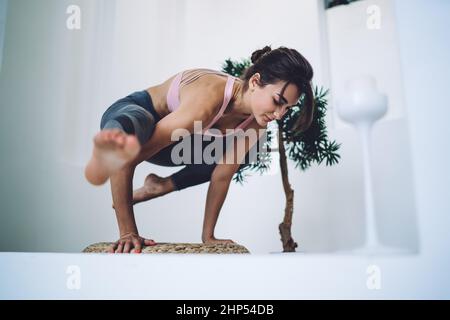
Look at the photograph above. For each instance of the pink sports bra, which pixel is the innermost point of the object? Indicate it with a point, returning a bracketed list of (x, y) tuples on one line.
[(173, 100)]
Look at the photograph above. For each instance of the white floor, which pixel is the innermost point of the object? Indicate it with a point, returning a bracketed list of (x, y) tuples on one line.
[(173, 276)]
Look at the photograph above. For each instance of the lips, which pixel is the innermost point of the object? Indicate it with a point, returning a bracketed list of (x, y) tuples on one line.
[(267, 118)]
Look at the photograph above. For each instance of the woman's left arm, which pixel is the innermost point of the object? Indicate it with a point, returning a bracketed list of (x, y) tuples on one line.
[(221, 179), (215, 198)]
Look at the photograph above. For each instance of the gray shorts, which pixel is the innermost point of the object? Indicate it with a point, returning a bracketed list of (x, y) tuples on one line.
[(134, 114)]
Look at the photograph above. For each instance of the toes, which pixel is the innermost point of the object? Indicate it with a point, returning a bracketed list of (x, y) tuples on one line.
[(115, 132), (132, 145), (118, 135), (104, 137), (108, 135), (112, 137), (115, 136), (132, 141), (120, 140), (100, 137)]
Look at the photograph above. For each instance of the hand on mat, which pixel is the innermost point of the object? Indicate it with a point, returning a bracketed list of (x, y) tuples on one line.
[(213, 240), (130, 243)]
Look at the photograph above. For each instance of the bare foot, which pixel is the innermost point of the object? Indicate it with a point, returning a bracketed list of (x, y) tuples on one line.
[(218, 241), (113, 149), (154, 186)]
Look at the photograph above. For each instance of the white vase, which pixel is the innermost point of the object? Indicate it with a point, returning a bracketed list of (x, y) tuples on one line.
[(362, 105)]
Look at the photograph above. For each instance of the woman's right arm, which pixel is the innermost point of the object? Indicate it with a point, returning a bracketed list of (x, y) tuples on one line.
[(121, 188), (199, 109), (194, 108)]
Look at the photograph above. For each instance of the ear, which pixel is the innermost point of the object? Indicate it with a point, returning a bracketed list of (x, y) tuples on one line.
[(255, 80)]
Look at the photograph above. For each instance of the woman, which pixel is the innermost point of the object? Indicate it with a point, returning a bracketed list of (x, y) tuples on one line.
[(139, 128)]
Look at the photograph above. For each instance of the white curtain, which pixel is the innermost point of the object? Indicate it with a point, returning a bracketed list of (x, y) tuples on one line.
[(3, 9)]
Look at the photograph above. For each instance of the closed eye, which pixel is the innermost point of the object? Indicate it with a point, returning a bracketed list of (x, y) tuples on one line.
[(277, 103), (281, 104)]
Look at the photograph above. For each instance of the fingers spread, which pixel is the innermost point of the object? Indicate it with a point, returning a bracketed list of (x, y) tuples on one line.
[(113, 247), (149, 242), (127, 247), (119, 248), (137, 246), (133, 245)]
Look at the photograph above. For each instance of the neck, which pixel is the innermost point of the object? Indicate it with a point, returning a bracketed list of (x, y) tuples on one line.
[(239, 105)]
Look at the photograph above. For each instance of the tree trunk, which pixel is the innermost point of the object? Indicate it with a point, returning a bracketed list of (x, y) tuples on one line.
[(289, 244)]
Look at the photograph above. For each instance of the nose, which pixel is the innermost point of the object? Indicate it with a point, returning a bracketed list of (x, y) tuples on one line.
[(279, 113)]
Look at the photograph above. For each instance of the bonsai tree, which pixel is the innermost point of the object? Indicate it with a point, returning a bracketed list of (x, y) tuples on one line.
[(333, 3), (303, 148)]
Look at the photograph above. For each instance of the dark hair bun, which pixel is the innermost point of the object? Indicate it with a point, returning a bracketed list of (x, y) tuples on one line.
[(259, 53)]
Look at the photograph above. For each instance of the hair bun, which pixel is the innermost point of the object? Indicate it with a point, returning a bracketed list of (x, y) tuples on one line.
[(259, 53)]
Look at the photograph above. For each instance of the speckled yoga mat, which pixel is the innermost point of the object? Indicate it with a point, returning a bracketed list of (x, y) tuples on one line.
[(102, 247)]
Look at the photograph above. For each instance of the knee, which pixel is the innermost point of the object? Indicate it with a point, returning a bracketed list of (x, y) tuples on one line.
[(132, 119), (206, 171)]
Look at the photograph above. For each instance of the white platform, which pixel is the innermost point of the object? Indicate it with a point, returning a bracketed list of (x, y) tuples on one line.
[(173, 276)]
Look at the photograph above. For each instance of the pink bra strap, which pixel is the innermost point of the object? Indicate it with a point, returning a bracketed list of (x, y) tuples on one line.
[(172, 96), (228, 89)]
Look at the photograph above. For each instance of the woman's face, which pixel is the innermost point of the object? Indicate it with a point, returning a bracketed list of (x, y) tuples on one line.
[(271, 102)]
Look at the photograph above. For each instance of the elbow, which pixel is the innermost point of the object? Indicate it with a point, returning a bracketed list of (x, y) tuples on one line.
[(223, 178), (222, 174)]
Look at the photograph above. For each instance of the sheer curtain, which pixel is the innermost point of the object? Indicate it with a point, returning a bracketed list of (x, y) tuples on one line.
[(3, 9), (86, 77), (121, 48)]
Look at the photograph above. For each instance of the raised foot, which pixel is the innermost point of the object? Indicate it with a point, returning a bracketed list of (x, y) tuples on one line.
[(113, 149)]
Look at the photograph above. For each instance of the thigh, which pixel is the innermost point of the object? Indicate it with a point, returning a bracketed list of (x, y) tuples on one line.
[(124, 107), (131, 118), (164, 156)]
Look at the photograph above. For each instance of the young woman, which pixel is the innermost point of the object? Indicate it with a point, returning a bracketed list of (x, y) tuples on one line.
[(139, 128)]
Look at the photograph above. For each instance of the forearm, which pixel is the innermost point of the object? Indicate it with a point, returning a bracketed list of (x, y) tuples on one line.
[(217, 192), (122, 194), (160, 139)]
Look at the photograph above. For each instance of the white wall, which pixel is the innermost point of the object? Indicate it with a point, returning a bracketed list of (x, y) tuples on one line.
[(58, 82), (3, 8), (363, 39), (425, 63), (45, 87)]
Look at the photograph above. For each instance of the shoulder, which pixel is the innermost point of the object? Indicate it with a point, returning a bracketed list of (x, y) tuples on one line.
[(205, 95), (210, 86)]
